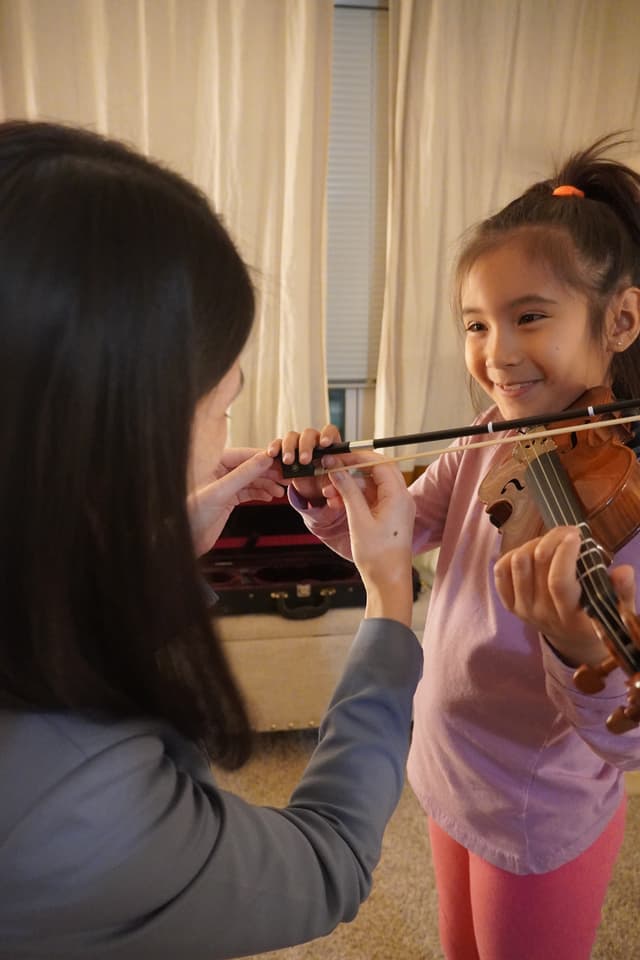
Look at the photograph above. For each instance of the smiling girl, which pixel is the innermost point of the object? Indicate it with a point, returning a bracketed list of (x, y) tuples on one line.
[(520, 778)]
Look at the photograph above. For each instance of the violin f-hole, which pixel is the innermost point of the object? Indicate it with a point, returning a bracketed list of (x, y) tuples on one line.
[(516, 483), (500, 512)]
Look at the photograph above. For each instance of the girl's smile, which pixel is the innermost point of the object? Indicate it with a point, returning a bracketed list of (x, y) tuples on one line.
[(529, 342)]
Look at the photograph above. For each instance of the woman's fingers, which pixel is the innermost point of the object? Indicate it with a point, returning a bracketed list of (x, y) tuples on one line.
[(380, 516), (381, 534), (257, 470), (345, 486)]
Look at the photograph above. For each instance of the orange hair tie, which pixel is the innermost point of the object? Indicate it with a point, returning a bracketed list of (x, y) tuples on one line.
[(566, 191)]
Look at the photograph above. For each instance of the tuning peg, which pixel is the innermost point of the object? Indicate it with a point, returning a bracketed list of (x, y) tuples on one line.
[(623, 719), (590, 679)]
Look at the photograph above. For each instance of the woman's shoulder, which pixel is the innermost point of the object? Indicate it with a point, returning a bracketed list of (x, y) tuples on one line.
[(73, 732), (105, 806), (45, 754)]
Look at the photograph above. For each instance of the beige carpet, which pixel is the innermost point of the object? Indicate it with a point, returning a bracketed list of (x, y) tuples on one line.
[(398, 921)]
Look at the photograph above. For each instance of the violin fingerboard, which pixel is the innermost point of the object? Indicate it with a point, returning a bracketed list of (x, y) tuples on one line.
[(552, 491)]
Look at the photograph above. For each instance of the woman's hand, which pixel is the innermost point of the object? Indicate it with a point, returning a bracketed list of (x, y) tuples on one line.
[(242, 474), (318, 491), (538, 582), (381, 529)]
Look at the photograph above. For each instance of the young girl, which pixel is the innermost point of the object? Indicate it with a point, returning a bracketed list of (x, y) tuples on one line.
[(520, 777), (124, 307)]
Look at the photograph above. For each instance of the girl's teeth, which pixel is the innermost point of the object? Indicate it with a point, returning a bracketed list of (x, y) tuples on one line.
[(514, 387)]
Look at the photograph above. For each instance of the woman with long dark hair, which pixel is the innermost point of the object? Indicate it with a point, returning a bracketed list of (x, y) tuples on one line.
[(124, 307)]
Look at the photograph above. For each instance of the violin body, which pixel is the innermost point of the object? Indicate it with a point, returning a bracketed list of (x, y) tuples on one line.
[(604, 474)]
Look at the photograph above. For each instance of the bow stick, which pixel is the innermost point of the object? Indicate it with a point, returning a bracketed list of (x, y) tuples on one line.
[(297, 469), (498, 441)]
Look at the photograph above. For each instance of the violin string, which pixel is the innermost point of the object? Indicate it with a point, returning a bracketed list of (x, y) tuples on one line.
[(602, 598), (563, 507), (564, 512), (474, 445), (592, 573), (598, 588)]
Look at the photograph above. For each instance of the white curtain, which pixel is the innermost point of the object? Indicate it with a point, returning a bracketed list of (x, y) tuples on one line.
[(263, 110), (484, 97), (234, 94)]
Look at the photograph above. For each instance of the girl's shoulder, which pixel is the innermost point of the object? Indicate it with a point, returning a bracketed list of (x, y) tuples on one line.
[(490, 415), (482, 419)]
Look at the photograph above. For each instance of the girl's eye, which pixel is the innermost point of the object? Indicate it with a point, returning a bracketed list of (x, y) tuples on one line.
[(531, 317), (474, 327)]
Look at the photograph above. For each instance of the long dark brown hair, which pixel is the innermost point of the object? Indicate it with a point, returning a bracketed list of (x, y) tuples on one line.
[(591, 243), (123, 301)]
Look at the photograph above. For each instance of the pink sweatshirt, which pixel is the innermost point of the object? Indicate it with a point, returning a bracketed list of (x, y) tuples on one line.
[(507, 756)]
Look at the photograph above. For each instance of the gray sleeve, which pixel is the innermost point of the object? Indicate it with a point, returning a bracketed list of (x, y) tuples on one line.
[(138, 859)]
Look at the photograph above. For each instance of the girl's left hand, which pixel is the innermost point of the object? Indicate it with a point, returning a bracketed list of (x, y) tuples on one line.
[(538, 583), (242, 474)]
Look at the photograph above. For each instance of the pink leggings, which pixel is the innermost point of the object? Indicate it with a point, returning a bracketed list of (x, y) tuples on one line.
[(486, 913)]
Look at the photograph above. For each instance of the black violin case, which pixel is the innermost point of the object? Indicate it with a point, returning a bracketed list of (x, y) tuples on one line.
[(266, 561)]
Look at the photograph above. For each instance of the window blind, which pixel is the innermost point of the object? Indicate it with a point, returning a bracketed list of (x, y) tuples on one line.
[(357, 193)]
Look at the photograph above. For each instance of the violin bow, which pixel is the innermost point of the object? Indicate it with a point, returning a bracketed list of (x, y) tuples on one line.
[(296, 469)]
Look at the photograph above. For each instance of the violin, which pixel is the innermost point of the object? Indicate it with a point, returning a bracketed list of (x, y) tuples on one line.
[(582, 473), (590, 479)]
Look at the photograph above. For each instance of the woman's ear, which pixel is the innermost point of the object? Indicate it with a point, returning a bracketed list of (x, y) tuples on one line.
[(623, 320)]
